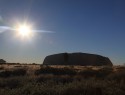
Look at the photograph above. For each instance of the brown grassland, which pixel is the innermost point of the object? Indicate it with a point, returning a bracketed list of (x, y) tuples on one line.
[(33, 79)]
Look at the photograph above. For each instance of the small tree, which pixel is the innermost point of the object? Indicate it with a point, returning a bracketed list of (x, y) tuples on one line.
[(2, 61)]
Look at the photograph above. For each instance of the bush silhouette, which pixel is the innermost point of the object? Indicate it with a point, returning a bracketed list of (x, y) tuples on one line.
[(17, 72), (88, 73), (55, 71), (5, 73), (2, 61)]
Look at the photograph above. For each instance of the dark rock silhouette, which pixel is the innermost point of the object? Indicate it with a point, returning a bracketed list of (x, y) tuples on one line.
[(84, 59), (66, 57), (2, 61)]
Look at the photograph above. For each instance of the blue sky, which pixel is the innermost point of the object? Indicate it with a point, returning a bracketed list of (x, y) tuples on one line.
[(90, 26)]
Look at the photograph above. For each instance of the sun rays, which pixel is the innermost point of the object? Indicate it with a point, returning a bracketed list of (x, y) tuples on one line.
[(23, 30)]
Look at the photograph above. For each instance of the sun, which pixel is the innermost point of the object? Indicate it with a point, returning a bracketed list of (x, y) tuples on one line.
[(24, 30)]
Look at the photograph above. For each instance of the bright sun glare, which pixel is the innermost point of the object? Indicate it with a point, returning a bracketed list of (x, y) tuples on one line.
[(24, 31)]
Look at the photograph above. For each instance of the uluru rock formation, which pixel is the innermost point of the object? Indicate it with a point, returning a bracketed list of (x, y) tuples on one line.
[(83, 59)]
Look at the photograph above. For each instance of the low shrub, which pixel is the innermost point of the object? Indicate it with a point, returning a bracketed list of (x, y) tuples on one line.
[(16, 72), (5, 73), (101, 73), (55, 71), (88, 73), (10, 83), (104, 72), (19, 72), (119, 75), (58, 79)]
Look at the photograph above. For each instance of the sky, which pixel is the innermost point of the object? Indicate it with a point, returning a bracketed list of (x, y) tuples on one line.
[(88, 26)]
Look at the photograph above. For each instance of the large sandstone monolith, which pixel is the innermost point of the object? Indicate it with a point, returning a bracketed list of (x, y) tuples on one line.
[(83, 59)]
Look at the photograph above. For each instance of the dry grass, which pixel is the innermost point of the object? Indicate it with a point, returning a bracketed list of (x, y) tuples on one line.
[(31, 68), (61, 80)]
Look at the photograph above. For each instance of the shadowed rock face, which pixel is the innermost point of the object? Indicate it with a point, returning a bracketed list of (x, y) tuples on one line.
[(84, 59)]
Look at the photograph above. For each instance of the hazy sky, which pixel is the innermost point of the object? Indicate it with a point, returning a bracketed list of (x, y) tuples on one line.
[(89, 26)]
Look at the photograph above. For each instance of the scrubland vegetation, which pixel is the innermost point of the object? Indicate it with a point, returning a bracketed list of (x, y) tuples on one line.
[(61, 80)]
